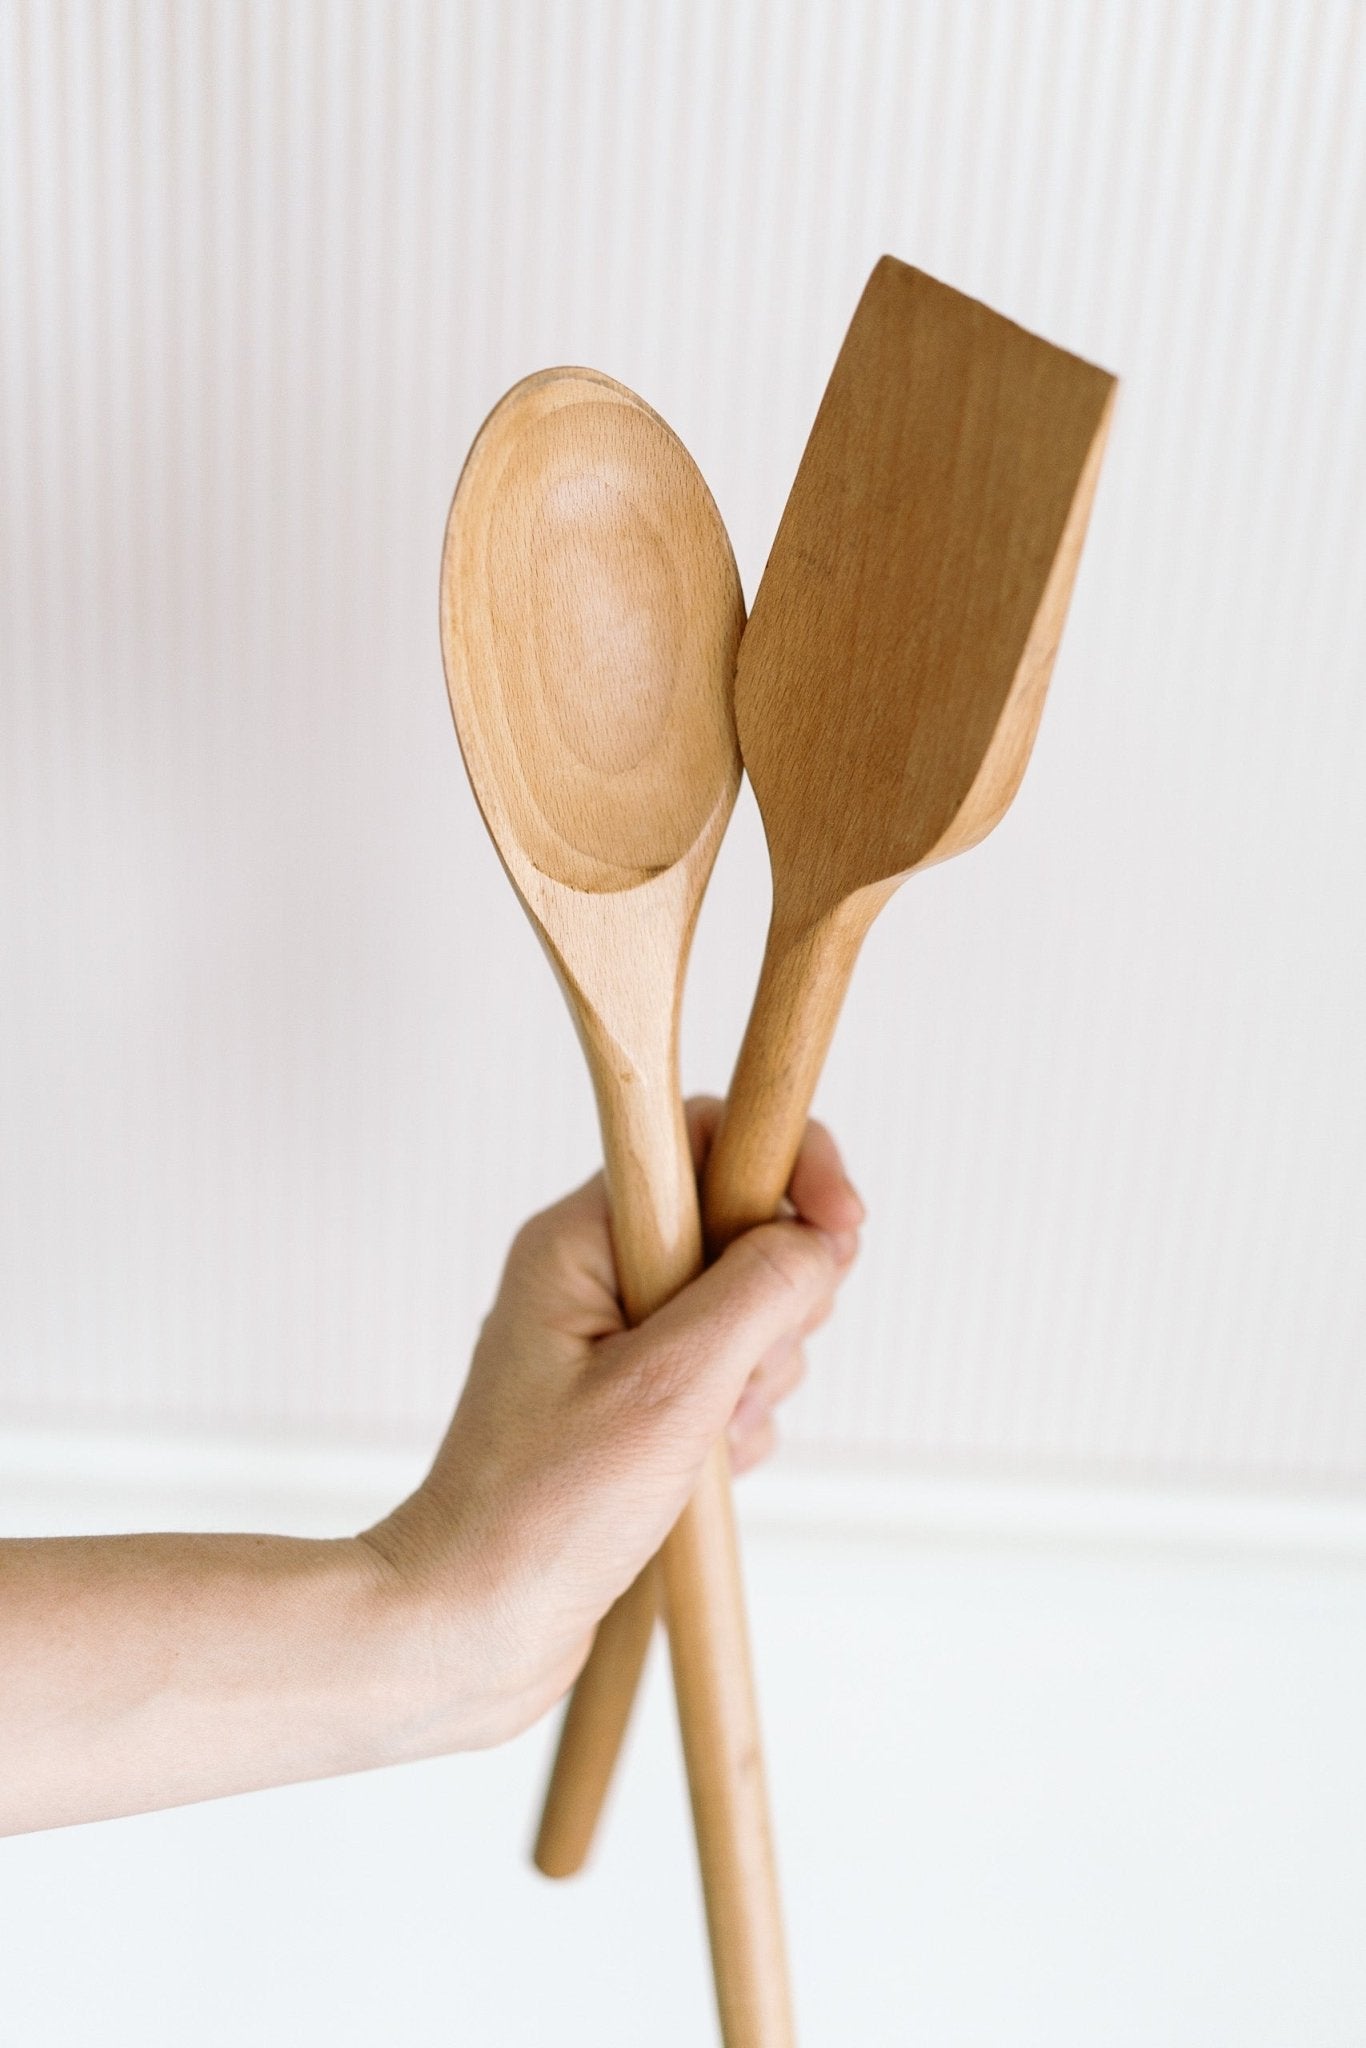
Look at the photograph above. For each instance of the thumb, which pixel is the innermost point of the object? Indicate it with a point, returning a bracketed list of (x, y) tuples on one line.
[(698, 1351)]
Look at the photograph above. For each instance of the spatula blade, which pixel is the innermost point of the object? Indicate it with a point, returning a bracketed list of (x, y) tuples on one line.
[(895, 661)]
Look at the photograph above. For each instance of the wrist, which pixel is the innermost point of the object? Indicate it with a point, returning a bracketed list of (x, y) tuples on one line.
[(473, 1662), (435, 1636)]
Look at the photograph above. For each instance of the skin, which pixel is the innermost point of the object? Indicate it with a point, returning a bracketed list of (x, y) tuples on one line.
[(149, 1671)]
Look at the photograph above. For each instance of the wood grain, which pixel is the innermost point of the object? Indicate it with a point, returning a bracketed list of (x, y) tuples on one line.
[(891, 679), (590, 617)]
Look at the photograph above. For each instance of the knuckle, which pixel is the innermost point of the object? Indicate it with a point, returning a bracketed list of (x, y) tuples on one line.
[(531, 1242), (779, 1251), (541, 1260)]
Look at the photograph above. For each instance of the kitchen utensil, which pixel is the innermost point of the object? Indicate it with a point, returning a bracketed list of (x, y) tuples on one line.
[(590, 616), (890, 684)]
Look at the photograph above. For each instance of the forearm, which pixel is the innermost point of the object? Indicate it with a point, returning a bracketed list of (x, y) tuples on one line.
[(148, 1671)]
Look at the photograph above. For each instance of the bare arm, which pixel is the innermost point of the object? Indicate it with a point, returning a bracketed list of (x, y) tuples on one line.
[(147, 1671)]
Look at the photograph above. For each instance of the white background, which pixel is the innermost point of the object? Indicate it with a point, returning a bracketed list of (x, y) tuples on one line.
[(1042, 1779), (281, 1068)]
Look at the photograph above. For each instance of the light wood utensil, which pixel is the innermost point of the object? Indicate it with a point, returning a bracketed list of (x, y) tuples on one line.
[(889, 688), (590, 617)]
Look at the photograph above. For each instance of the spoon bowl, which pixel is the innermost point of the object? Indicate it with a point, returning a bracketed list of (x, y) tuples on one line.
[(590, 617)]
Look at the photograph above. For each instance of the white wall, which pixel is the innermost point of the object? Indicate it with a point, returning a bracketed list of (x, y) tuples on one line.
[(1043, 1779), (280, 1066)]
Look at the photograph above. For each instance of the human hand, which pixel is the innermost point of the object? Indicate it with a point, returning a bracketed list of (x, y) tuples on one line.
[(577, 1442)]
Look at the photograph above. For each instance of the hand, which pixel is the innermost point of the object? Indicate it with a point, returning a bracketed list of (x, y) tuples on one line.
[(577, 1442), (146, 1671)]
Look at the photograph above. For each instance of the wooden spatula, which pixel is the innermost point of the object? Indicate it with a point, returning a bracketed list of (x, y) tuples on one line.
[(889, 687)]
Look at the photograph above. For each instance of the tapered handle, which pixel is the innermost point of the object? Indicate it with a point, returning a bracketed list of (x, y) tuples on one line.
[(802, 985), (657, 1239), (594, 1728), (704, 1610), (805, 974)]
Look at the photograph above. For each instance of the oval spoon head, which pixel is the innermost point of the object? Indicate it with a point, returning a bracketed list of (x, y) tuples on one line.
[(590, 617), (894, 668)]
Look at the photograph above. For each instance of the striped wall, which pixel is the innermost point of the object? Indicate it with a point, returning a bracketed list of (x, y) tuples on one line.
[(280, 1067)]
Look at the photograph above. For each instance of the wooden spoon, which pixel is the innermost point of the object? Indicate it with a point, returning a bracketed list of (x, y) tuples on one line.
[(590, 617), (890, 685)]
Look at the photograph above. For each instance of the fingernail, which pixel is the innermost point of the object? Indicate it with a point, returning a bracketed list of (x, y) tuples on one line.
[(844, 1243), (862, 1205)]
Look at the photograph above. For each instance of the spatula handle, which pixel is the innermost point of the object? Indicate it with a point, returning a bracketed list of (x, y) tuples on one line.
[(801, 987), (656, 1231)]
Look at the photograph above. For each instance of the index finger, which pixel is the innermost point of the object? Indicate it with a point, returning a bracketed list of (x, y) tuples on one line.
[(820, 1190)]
